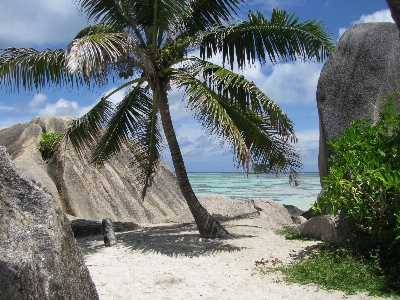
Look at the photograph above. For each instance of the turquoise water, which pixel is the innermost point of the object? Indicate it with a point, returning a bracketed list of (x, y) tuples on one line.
[(239, 186)]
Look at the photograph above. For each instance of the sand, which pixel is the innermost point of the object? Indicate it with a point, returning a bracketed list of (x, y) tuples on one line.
[(173, 262)]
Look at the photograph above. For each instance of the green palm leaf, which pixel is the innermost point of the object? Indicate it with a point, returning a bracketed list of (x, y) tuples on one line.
[(267, 146), (201, 15), (238, 91), (127, 119), (134, 125), (142, 15), (99, 28), (151, 144), (103, 11), (84, 132), (92, 55), (31, 69), (232, 109), (204, 104), (281, 38)]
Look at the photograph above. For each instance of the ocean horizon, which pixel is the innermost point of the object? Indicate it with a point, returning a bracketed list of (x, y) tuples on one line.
[(242, 186)]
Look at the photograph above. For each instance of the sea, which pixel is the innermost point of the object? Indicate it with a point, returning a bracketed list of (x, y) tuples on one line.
[(241, 186)]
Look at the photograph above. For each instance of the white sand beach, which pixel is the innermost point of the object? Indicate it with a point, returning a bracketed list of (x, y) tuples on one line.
[(172, 262)]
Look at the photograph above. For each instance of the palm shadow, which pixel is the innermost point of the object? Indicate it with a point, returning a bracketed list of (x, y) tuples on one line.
[(170, 240)]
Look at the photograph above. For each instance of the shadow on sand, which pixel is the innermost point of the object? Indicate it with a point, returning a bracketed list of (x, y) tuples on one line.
[(171, 240)]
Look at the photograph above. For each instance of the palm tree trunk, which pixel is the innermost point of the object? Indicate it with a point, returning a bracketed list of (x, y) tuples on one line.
[(206, 224)]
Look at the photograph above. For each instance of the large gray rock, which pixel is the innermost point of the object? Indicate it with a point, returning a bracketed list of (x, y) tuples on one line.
[(265, 213), (22, 142), (272, 214), (39, 257), (333, 229), (394, 6), (87, 192), (362, 72)]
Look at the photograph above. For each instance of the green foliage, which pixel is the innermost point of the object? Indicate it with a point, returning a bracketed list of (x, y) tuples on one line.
[(290, 233), (346, 269), (48, 144), (364, 179)]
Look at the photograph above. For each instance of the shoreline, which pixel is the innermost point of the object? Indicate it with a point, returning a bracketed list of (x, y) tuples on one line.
[(238, 187)]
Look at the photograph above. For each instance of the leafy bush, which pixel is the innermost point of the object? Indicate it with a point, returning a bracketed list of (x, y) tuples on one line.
[(364, 179), (48, 144)]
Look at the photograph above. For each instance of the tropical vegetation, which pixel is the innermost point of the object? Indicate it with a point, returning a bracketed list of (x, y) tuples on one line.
[(364, 185), (364, 180), (342, 268), (159, 45), (48, 144)]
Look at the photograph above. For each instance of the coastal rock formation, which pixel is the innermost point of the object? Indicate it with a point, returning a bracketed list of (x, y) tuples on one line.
[(333, 229), (265, 212), (39, 257), (87, 192), (361, 74), (394, 6)]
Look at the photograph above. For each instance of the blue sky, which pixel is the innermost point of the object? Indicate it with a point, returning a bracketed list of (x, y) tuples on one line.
[(53, 23)]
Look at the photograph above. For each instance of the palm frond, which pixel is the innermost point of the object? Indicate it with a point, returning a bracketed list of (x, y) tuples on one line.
[(32, 69), (151, 141), (206, 108), (202, 15), (133, 124), (238, 91), (99, 28), (103, 11), (280, 39), (126, 119), (162, 13), (267, 146), (93, 54), (84, 132), (253, 135)]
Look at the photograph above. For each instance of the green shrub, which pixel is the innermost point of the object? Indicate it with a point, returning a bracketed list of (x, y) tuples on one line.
[(364, 179), (48, 144), (345, 269)]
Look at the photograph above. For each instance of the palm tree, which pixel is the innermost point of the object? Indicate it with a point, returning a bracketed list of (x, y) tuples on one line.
[(157, 45)]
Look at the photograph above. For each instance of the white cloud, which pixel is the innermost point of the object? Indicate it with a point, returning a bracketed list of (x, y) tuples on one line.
[(308, 139), (39, 23), (293, 83), (4, 108), (378, 16), (307, 147), (116, 97), (342, 30), (61, 108), (37, 100)]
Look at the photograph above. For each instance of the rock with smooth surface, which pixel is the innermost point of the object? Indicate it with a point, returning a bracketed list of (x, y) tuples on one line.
[(264, 212), (362, 72), (333, 229), (87, 192), (39, 257)]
